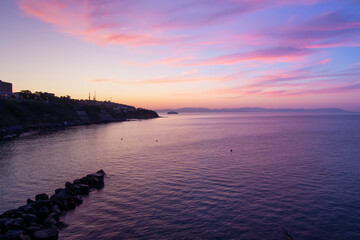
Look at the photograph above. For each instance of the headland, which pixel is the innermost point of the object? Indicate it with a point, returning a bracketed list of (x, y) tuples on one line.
[(29, 111)]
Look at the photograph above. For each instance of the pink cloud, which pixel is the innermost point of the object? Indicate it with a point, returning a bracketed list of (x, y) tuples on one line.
[(327, 30), (184, 78), (138, 23), (280, 54), (297, 82), (324, 61), (296, 90), (83, 18)]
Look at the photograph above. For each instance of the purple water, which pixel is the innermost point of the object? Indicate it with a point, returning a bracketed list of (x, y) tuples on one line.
[(301, 172)]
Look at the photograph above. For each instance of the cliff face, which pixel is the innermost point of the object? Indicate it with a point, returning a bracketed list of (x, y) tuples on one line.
[(22, 115)]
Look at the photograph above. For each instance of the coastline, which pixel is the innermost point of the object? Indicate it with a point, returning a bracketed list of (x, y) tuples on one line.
[(24, 116)]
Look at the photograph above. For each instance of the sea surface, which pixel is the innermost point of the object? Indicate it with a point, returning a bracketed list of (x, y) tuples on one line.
[(176, 177)]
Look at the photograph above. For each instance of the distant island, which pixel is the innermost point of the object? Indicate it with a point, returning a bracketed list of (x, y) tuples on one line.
[(255, 109), (26, 111)]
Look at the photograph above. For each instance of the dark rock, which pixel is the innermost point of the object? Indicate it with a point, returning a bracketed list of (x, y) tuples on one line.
[(36, 225), (59, 194), (102, 172), (25, 237), (76, 182), (43, 212), (62, 225), (58, 190), (100, 185), (28, 208), (83, 189), (68, 185), (93, 179), (30, 218), (41, 196), (13, 213), (54, 216), (49, 222), (15, 224), (61, 199), (51, 233), (100, 176), (71, 205), (31, 229), (3, 221), (56, 209), (18, 223), (14, 235), (78, 200), (42, 203), (63, 205), (84, 180)]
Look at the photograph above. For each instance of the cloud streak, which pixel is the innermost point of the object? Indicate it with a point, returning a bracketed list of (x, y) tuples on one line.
[(298, 82), (184, 78)]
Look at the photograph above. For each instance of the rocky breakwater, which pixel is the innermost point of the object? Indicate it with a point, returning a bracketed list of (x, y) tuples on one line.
[(40, 218)]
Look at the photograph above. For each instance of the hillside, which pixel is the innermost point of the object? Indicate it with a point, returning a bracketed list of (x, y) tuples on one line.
[(20, 115)]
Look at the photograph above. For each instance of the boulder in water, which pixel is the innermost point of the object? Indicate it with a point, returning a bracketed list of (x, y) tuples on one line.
[(41, 196)]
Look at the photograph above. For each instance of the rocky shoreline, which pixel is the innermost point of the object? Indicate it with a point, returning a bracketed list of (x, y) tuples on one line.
[(21, 116), (17, 131), (39, 219)]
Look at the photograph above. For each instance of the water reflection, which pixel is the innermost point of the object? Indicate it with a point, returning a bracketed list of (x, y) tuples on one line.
[(296, 171)]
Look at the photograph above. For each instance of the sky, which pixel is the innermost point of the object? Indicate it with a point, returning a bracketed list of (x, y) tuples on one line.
[(186, 53)]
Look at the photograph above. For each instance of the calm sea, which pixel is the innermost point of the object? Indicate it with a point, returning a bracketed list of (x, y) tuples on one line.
[(176, 178)]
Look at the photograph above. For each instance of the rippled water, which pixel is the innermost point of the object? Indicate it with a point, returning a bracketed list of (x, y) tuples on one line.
[(301, 172)]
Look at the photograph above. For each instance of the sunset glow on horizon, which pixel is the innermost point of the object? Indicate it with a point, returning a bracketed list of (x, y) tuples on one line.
[(170, 54)]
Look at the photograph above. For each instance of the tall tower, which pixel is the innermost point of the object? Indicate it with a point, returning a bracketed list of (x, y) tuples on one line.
[(95, 95), (89, 96)]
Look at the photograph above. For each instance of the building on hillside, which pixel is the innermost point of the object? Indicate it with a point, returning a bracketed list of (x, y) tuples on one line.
[(5, 89)]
